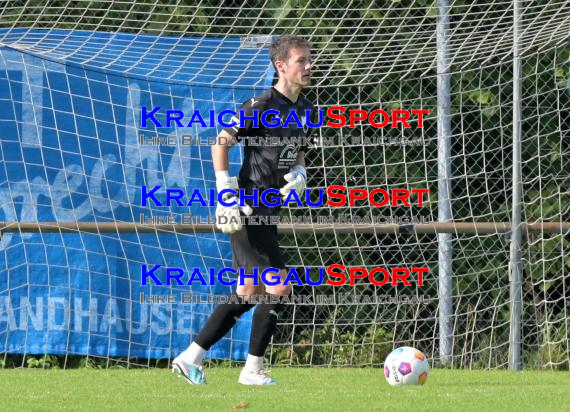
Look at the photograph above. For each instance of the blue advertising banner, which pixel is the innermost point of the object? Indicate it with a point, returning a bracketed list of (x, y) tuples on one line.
[(70, 150)]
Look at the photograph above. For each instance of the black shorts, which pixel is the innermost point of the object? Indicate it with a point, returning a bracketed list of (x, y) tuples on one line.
[(256, 246)]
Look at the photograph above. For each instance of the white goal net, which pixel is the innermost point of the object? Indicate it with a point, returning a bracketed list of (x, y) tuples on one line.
[(74, 76)]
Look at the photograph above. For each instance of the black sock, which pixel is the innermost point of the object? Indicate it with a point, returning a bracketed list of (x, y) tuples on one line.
[(222, 319), (263, 325)]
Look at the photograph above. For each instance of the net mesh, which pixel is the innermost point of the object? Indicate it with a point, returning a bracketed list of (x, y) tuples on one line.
[(366, 57)]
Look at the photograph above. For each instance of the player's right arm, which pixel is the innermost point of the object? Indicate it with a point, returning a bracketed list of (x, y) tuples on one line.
[(228, 217), (220, 151), (230, 135)]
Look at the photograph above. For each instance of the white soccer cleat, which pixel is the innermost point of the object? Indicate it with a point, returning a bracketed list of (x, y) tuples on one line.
[(255, 377), (191, 373)]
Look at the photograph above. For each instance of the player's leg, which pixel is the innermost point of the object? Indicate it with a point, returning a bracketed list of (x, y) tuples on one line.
[(222, 319), (264, 252), (262, 329)]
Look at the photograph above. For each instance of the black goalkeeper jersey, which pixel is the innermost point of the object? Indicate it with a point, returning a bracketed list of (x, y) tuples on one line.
[(265, 165)]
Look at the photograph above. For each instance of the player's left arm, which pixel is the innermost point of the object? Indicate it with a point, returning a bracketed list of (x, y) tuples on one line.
[(296, 178), (300, 161)]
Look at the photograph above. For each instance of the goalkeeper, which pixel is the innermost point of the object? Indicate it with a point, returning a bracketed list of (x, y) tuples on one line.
[(256, 246)]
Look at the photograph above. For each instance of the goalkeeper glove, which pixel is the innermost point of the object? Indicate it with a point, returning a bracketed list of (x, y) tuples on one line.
[(297, 180), (231, 221)]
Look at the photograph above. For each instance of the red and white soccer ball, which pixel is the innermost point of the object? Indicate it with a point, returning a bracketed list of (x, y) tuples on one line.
[(406, 366)]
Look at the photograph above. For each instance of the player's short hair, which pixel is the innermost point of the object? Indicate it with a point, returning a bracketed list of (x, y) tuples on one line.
[(281, 46)]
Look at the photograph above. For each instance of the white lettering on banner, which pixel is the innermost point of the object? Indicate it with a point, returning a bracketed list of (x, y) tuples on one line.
[(80, 315), (55, 320), (32, 105), (27, 313), (72, 177)]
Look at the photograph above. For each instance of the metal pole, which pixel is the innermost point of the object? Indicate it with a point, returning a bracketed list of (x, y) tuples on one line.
[(477, 228), (515, 263), (445, 290)]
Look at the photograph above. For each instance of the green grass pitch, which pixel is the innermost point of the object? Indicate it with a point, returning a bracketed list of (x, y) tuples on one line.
[(315, 389)]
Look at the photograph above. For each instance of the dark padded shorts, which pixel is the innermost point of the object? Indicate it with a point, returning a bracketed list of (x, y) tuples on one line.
[(256, 246)]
